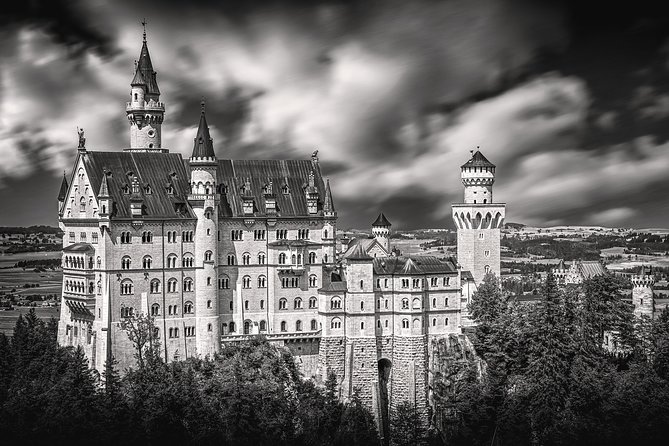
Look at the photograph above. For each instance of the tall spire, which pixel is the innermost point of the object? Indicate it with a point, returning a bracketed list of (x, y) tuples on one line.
[(204, 145), (145, 68), (328, 205), (104, 189), (62, 195)]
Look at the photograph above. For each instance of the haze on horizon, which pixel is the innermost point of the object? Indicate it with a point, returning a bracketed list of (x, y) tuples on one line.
[(570, 101)]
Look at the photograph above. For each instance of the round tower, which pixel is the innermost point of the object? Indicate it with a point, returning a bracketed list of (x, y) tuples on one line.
[(144, 110), (642, 293), (203, 167), (381, 231)]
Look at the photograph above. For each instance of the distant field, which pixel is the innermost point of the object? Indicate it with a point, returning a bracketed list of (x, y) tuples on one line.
[(634, 261), (11, 259), (8, 318), (412, 247), (15, 278)]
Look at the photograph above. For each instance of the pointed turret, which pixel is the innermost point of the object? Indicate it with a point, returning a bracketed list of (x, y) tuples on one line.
[(145, 69), (62, 195), (328, 205), (104, 188), (381, 231), (203, 148), (381, 221)]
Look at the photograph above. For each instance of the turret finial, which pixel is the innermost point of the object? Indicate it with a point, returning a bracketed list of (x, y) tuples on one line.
[(144, 25), (202, 105)]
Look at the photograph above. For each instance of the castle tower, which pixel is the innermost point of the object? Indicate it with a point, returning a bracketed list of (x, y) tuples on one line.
[(642, 293), (381, 231), (330, 227), (478, 219), (145, 111), (203, 167)]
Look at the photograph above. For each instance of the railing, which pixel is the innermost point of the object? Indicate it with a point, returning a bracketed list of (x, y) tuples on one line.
[(290, 268), (146, 106), (272, 336)]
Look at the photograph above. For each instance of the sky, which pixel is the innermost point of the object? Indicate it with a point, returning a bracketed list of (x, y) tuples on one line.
[(570, 99)]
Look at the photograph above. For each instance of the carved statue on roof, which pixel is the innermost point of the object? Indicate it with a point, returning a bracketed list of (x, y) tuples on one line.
[(82, 139)]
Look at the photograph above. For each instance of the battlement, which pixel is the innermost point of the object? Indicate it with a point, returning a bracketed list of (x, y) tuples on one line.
[(479, 216), (148, 106), (642, 281)]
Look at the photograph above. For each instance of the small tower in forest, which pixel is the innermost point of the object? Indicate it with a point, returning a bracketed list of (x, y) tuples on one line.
[(381, 231), (642, 292)]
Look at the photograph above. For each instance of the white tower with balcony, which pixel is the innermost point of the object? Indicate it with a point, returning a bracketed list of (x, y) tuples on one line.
[(479, 220), (144, 110)]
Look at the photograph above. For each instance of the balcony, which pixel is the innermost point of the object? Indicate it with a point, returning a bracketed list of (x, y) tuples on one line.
[(149, 106), (290, 269)]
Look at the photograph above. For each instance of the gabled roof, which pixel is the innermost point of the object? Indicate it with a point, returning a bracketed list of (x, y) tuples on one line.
[(158, 170), (381, 220), (357, 253), (203, 146), (478, 160), (591, 268), (145, 70), (412, 265), (287, 178), (62, 194)]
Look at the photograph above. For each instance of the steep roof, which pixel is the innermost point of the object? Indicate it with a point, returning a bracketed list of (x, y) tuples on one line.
[(288, 179), (381, 220), (62, 194), (203, 146), (79, 247), (358, 252), (156, 172), (412, 265), (328, 204), (104, 188), (478, 160), (591, 268), (145, 71)]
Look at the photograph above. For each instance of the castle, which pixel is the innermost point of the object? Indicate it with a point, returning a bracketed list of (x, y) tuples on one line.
[(219, 250)]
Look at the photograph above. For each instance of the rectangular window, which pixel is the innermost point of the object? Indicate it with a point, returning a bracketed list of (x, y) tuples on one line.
[(303, 234), (433, 281), (95, 237), (281, 234), (72, 237), (405, 283), (82, 237), (236, 234), (290, 282), (416, 283), (259, 234)]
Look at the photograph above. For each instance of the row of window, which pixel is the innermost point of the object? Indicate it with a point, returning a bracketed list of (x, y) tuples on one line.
[(83, 237), (147, 237), (415, 283), (77, 262), (262, 326), (297, 303), (78, 287), (335, 323)]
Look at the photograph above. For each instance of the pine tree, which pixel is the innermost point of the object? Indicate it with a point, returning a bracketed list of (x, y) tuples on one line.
[(406, 426), (487, 303)]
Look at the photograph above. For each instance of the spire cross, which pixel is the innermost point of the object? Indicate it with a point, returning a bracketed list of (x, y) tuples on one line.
[(143, 22)]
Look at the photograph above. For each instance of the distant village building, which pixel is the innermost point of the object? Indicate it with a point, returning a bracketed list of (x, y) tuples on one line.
[(577, 271), (218, 250)]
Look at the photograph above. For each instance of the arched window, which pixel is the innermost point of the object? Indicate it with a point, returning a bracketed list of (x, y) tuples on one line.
[(155, 310), (82, 205), (247, 327), (172, 261), (362, 325), (282, 304), (297, 303), (155, 286), (487, 269), (146, 262), (263, 325), (313, 302), (223, 282), (313, 281), (147, 237), (335, 323), (246, 258), (231, 259), (283, 325), (188, 307), (188, 260), (125, 262), (293, 259), (208, 304), (314, 325), (127, 312), (362, 305), (335, 303), (325, 258), (405, 323), (312, 258), (246, 282), (446, 322), (282, 258), (126, 287), (416, 304), (262, 281), (172, 285), (261, 258), (207, 256), (405, 304), (246, 304), (416, 323), (298, 326), (232, 327), (188, 284)]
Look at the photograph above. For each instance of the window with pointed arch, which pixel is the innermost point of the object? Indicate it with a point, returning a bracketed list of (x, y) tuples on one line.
[(335, 323), (155, 310), (262, 326), (283, 304), (282, 258), (172, 261), (313, 302), (82, 205), (154, 286), (405, 323), (335, 303), (208, 255), (146, 262), (125, 262), (297, 303), (283, 325), (231, 259), (127, 312), (312, 258), (405, 303), (172, 285), (298, 326), (314, 325), (261, 258), (188, 284), (246, 258), (246, 282), (126, 287), (223, 282), (313, 281), (188, 260), (262, 282), (188, 307)]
